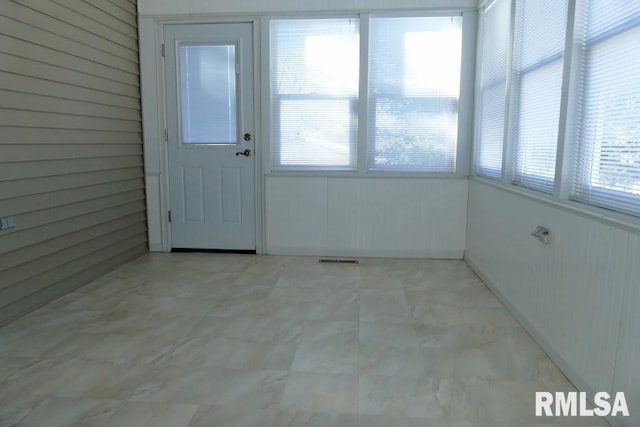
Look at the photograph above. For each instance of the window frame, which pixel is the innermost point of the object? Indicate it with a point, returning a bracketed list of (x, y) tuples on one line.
[(602, 192), (462, 161), (277, 99), (515, 86), (486, 172), (568, 132)]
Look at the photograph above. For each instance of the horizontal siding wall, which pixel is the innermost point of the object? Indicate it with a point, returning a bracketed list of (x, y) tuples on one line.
[(71, 165), (379, 217)]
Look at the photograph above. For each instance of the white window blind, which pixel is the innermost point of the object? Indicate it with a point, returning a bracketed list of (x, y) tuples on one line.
[(414, 85), (496, 38), (314, 85), (607, 172), (539, 38)]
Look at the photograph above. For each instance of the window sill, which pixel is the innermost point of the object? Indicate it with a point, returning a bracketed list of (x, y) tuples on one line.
[(615, 219), (367, 175)]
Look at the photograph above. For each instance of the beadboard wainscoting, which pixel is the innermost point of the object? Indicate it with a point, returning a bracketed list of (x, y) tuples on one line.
[(382, 217), (578, 296)]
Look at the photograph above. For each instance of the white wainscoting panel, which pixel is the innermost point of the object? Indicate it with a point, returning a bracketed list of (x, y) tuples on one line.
[(417, 218), (398, 217), (568, 293), (154, 227), (296, 215), (627, 372)]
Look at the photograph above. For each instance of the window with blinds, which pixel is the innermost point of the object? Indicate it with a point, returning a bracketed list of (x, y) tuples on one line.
[(314, 93), (607, 170), (411, 91), (414, 85), (539, 39), (496, 36)]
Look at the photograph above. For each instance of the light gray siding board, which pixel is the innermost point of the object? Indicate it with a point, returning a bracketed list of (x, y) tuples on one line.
[(38, 86), (71, 165), (126, 5), (37, 283), (75, 19), (18, 239), (41, 217), (23, 49), (31, 34), (68, 284), (41, 265), (96, 14), (35, 18), (37, 202), (26, 187), (34, 152), (12, 135), (25, 170), (33, 68), (114, 11), (30, 253), (9, 117), (10, 99)]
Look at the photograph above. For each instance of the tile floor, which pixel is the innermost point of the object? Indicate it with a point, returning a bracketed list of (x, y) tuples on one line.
[(238, 340)]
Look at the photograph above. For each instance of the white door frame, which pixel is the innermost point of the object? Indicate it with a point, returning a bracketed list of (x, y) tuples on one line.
[(154, 123)]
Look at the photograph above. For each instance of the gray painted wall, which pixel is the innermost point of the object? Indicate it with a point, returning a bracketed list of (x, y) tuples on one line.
[(71, 165)]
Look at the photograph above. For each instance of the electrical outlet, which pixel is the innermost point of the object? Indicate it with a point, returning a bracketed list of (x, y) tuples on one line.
[(7, 222)]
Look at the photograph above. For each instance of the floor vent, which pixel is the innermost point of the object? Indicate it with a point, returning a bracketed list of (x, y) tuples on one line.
[(338, 261)]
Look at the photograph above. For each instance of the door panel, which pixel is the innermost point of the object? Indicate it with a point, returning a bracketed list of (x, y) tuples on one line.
[(232, 195), (193, 194), (209, 74)]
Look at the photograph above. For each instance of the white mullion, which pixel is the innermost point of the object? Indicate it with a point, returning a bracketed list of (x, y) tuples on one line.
[(568, 132), (362, 166), (265, 93), (507, 146), (512, 92), (464, 143), (478, 91)]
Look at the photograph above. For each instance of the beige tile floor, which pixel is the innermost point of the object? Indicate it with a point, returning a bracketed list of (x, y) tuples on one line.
[(238, 340)]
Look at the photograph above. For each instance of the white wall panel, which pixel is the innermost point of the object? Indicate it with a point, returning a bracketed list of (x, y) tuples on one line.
[(398, 217), (366, 217), (568, 293), (171, 7), (154, 226), (627, 372), (296, 215)]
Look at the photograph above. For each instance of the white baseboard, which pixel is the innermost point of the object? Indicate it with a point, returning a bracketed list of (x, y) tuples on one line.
[(366, 253)]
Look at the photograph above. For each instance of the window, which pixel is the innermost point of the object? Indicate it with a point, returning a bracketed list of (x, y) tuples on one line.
[(579, 115), (537, 87), (607, 172), (413, 93), (314, 86), (496, 35), (410, 84), (208, 94)]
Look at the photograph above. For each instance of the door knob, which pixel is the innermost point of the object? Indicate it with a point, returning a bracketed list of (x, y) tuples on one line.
[(246, 153)]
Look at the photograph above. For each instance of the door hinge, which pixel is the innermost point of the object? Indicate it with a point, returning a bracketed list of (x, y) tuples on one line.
[(166, 135), (162, 49), (169, 215)]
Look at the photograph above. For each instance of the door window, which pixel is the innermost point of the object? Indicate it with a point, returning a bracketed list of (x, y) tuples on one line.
[(208, 94)]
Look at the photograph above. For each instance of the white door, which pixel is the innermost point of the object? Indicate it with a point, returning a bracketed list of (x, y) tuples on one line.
[(210, 120)]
